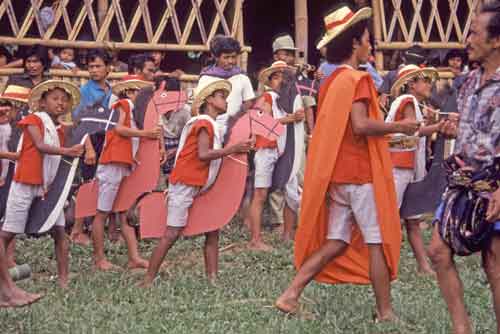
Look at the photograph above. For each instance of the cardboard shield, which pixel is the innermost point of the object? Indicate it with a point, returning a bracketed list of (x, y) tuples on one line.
[(216, 207)]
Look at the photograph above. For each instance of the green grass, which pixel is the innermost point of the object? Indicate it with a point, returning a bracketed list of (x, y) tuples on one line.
[(183, 302)]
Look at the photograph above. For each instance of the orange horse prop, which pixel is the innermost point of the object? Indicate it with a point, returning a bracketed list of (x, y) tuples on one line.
[(216, 207), (145, 176)]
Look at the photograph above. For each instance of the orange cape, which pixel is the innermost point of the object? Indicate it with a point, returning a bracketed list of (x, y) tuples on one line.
[(335, 104)]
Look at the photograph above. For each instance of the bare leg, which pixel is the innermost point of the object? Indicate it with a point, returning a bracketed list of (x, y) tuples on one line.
[(113, 233), (491, 264), (211, 252), (10, 294), (288, 301), (100, 261), (11, 253), (290, 218), (449, 283), (417, 245), (134, 259), (159, 253), (62, 255), (78, 235), (255, 220), (380, 277)]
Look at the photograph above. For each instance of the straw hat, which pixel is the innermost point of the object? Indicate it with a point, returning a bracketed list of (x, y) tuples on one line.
[(201, 93), (409, 72), (129, 82), (71, 89), (15, 94), (341, 20), (277, 66)]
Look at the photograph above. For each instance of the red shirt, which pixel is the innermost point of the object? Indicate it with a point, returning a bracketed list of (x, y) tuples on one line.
[(353, 161), (189, 169), (118, 149), (29, 166), (405, 160)]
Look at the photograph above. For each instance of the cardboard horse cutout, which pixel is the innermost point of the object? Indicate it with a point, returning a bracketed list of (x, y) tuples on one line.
[(144, 177), (45, 211), (214, 208)]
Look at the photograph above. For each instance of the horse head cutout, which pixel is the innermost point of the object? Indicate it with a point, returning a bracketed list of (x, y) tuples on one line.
[(166, 101), (256, 122)]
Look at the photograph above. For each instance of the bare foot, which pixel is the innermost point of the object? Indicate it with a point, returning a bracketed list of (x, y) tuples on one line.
[(63, 282), (137, 264), (80, 239), (105, 265), (389, 317), (16, 297), (426, 271), (146, 283), (259, 246), (11, 263), (285, 304)]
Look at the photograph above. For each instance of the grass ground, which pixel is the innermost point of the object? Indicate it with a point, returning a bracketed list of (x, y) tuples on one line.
[(183, 302)]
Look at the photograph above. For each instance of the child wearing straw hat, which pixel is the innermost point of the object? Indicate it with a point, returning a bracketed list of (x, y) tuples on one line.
[(196, 166), (412, 87), (266, 157), (40, 153), (115, 163)]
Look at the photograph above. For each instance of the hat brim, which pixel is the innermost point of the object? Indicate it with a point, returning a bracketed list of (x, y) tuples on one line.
[(363, 14), (400, 82), (122, 86), (13, 100), (207, 91), (265, 75), (36, 93)]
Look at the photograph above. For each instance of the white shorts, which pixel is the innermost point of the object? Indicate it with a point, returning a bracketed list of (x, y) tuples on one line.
[(353, 203), (180, 198), (264, 160), (20, 198), (402, 178), (109, 177)]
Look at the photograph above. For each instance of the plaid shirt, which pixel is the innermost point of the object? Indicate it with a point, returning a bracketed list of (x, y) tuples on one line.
[(478, 140)]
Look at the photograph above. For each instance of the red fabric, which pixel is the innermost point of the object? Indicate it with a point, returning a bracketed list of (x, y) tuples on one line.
[(261, 142), (340, 22), (189, 169), (118, 149), (353, 152), (405, 160), (29, 167)]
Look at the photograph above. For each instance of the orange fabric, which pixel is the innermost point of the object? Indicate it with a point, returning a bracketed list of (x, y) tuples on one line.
[(118, 149), (355, 168), (29, 166), (405, 160), (262, 142), (189, 169), (335, 103)]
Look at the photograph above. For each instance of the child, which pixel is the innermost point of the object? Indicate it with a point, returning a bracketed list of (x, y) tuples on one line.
[(198, 153), (115, 163), (266, 156), (65, 60), (36, 168), (412, 87)]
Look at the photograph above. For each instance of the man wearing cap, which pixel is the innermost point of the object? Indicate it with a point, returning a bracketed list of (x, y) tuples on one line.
[(477, 152), (349, 223)]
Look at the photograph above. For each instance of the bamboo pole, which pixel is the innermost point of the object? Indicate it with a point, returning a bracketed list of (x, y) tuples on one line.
[(241, 38), (429, 45), (301, 28), (102, 9), (377, 28), (109, 45)]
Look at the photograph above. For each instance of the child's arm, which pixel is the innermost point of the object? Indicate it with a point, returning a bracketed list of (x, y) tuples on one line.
[(296, 117), (126, 131), (90, 157), (410, 115), (36, 136), (9, 155), (205, 153)]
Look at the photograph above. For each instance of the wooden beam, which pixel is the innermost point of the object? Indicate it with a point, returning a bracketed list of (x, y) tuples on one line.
[(102, 9), (377, 30), (428, 45), (301, 28)]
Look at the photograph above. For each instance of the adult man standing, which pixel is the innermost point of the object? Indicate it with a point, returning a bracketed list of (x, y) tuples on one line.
[(143, 66), (478, 146), (349, 228), (35, 63)]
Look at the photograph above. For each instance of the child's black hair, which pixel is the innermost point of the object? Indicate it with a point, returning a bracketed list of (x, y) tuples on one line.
[(38, 51), (99, 54), (222, 44)]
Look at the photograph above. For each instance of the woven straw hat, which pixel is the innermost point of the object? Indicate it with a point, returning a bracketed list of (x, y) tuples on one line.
[(277, 66), (16, 94), (409, 72), (36, 93), (129, 82), (201, 93), (341, 20)]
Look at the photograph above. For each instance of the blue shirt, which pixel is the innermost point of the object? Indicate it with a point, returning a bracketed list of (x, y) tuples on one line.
[(92, 93), (327, 69)]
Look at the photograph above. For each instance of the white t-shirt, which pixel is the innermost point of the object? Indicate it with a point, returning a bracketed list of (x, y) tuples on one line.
[(242, 91)]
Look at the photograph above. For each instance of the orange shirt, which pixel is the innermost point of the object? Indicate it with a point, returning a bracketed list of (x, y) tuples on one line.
[(405, 160), (353, 160), (118, 149), (29, 166), (189, 169), (262, 142)]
